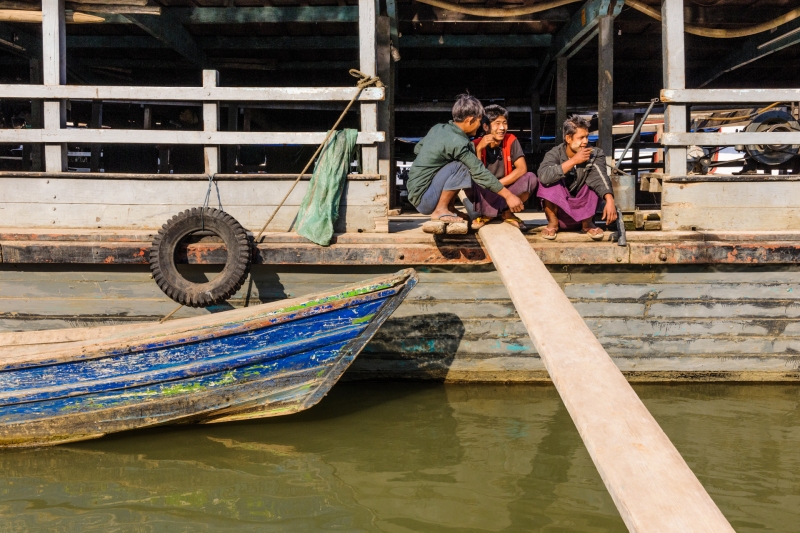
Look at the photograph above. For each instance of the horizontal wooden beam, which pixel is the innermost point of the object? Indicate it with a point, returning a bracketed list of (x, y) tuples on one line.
[(755, 48), (177, 177), (730, 139), (45, 245), (205, 94), (20, 43), (87, 136), (729, 96), (574, 35), (168, 30), (261, 15), (252, 42)]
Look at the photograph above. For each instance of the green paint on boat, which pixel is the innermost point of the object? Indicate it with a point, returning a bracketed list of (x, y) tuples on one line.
[(363, 319)]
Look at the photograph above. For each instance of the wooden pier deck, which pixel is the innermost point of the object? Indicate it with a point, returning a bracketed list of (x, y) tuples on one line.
[(406, 244)]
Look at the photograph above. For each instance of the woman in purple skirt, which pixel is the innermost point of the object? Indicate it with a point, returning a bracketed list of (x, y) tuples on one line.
[(573, 178), (502, 154)]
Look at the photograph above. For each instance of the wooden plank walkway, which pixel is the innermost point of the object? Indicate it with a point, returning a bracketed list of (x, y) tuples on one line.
[(650, 483)]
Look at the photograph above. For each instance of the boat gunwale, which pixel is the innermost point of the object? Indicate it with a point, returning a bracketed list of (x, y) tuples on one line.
[(12, 339), (31, 355)]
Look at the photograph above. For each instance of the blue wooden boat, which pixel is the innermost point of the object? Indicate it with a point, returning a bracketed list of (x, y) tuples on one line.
[(69, 385)]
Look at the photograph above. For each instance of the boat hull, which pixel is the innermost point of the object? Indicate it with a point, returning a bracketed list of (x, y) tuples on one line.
[(257, 365)]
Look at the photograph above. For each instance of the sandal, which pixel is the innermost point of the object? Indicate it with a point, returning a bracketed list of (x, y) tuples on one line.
[(516, 222), (442, 225), (596, 234), (549, 233), (480, 222)]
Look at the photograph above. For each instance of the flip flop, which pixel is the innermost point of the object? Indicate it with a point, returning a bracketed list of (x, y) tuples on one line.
[(441, 225), (549, 233), (596, 234), (480, 222), (517, 223), (449, 218)]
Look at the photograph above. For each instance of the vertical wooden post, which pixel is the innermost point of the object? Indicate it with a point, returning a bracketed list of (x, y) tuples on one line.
[(233, 125), (97, 123), (561, 96), (211, 123), (54, 70), (636, 154), (385, 67), (674, 63), (367, 22), (37, 116), (605, 86), (536, 121)]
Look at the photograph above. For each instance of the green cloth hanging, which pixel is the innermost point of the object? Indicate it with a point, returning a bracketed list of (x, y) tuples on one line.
[(320, 207)]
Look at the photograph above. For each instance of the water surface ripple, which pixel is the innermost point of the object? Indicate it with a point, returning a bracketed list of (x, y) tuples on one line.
[(406, 457)]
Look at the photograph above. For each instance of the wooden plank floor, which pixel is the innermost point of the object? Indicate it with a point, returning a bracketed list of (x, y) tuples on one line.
[(407, 245)]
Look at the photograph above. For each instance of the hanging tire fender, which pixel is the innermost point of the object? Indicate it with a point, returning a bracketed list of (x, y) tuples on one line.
[(223, 286)]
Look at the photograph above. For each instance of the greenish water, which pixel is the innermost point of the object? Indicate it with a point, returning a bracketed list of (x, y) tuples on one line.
[(403, 457)]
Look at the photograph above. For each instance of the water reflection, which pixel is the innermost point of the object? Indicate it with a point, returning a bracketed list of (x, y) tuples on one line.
[(405, 457)]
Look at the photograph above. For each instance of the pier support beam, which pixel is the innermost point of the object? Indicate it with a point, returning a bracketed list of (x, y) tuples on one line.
[(674, 63), (605, 87), (650, 483), (211, 123), (536, 122), (561, 96), (54, 72)]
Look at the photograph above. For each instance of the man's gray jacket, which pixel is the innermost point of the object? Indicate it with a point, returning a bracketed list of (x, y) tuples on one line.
[(592, 173)]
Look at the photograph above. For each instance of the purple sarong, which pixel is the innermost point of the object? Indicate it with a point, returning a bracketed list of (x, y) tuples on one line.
[(571, 209), (491, 204)]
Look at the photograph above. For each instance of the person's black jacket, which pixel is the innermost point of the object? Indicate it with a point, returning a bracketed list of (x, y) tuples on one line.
[(592, 173)]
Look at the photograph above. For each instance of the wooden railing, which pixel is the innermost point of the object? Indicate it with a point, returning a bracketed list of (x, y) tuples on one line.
[(210, 95), (681, 97)]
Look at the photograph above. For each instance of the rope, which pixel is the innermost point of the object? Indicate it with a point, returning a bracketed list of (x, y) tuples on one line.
[(718, 33), (363, 82), (494, 12), (744, 117), (170, 314)]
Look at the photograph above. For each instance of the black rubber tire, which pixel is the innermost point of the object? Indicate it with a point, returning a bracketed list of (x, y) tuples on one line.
[(224, 285)]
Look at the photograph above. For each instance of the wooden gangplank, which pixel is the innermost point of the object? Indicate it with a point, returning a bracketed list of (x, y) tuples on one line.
[(652, 486)]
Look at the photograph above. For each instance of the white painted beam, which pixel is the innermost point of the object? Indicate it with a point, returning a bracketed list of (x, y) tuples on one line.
[(367, 53), (183, 94), (87, 136), (729, 96), (674, 65), (211, 123), (729, 139), (54, 72)]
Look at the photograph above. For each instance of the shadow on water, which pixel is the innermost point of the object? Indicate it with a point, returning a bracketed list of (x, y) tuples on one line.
[(403, 457)]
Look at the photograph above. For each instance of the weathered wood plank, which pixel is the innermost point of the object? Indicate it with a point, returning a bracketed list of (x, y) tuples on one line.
[(729, 96), (650, 483), (751, 194), (66, 190), (682, 216), (184, 94), (729, 139), (359, 218), (173, 137)]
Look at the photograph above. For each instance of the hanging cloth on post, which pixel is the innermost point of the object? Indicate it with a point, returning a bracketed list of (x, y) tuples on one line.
[(320, 207)]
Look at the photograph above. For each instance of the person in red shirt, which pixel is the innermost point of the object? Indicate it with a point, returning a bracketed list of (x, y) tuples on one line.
[(502, 154)]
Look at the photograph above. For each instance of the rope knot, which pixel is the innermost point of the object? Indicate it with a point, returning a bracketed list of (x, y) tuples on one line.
[(365, 81)]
